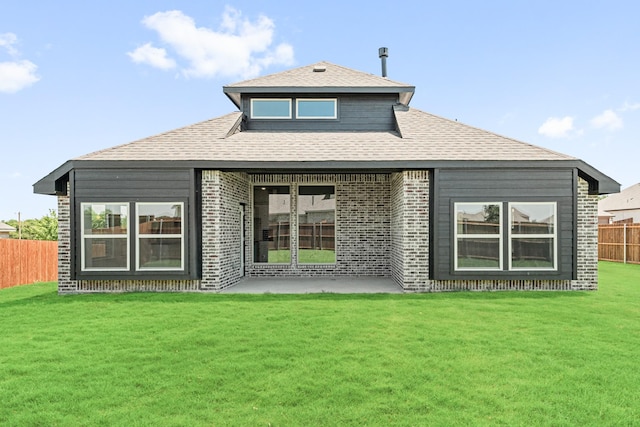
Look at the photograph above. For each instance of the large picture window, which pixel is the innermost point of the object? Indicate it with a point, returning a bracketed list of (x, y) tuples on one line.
[(160, 239), (478, 236), (316, 224), (271, 224), (105, 236), (531, 236), (156, 236)]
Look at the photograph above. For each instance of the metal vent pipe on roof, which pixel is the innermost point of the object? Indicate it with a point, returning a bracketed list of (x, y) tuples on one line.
[(383, 53)]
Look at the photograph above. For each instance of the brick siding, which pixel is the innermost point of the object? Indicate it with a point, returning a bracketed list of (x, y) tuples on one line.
[(362, 226), (410, 229), (587, 237), (223, 193), (382, 229)]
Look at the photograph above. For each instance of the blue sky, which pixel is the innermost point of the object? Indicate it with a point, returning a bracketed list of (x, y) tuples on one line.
[(80, 76)]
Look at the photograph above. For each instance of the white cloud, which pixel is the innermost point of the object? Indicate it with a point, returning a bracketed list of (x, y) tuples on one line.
[(154, 56), (239, 47), (557, 128), (17, 74), (627, 106), (608, 120), (7, 40)]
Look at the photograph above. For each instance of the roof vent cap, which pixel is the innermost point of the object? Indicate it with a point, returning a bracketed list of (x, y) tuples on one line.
[(383, 53), (319, 68)]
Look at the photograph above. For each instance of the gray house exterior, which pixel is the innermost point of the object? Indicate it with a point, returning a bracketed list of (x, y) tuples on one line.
[(326, 171)]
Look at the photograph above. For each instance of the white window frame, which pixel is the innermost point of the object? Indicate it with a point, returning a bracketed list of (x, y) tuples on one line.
[(553, 236), (84, 237), (335, 223), (254, 100), (335, 108), (457, 236), (140, 236)]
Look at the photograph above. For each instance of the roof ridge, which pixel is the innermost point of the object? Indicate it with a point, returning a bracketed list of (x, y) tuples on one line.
[(310, 66)]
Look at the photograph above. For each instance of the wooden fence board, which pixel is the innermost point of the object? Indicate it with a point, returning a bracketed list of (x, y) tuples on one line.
[(27, 261), (612, 245)]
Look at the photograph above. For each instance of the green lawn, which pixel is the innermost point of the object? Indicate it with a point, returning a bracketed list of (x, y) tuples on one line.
[(305, 256), (490, 358)]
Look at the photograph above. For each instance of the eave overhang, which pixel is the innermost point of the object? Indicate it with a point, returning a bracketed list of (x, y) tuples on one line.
[(234, 93), (55, 182)]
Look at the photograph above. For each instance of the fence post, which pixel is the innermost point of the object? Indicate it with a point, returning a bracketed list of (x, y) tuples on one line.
[(624, 244)]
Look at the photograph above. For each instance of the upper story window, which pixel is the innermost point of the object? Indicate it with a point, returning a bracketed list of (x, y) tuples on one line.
[(270, 108), (316, 108), (305, 108)]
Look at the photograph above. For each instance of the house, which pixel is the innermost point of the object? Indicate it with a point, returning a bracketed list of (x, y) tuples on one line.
[(5, 230), (604, 218), (326, 171), (623, 206)]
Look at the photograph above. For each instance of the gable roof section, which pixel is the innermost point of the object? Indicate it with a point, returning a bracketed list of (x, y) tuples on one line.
[(309, 79), (627, 199)]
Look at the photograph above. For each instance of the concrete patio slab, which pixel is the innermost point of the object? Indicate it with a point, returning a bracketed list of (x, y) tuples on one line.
[(315, 285)]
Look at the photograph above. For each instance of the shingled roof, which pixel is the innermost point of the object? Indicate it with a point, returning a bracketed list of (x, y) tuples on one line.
[(419, 136), (420, 140), (317, 78)]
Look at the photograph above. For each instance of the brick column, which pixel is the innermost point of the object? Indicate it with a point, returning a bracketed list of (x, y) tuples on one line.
[(410, 229), (587, 238), (65, 284), (211, 268)]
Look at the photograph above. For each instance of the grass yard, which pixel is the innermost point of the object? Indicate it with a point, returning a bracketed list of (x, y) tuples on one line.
[(305, 256), (491, 358)]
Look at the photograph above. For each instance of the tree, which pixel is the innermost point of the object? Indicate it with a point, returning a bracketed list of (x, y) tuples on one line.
[(45, 228), (491, 214)]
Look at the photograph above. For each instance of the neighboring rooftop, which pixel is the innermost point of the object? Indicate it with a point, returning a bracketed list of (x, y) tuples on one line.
[(6, 228), (627, 199)]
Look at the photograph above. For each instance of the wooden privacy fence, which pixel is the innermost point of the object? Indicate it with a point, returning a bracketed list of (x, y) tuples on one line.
[(27, 261), (319, 235), (619, 242)]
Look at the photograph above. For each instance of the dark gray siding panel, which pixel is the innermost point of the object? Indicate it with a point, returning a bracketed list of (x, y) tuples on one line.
[(503, 185), (132, 183), (139, 185), (355, 113)]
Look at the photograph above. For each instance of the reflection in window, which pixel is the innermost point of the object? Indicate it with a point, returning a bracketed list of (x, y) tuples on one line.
[(160, 236), (478, 236), (316, 108), (316, 224), (105, 236), (533, 235), (270, 108), (271, 224)]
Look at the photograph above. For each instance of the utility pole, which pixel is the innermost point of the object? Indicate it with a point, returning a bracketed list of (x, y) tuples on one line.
[(19, 227)]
